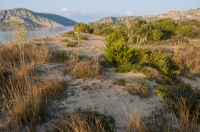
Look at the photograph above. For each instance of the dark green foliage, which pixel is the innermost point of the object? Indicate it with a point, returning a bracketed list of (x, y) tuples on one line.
[(82, 27)]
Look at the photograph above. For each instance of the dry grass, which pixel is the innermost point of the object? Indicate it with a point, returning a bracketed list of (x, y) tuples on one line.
[(23, 96), (85, 122), (135, 123), (26, 99), (187, 58), (86, 68), (140, 88), (166, 120)]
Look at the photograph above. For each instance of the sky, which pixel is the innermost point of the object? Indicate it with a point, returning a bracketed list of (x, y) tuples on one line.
[(91, 10)]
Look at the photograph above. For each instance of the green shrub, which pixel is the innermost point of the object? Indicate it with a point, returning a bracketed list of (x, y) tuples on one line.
[(157, 34), (185, 31), (72, 44), (116, 37), (158, 60), (164, 92), (70, 34), (120, 54), (82, 27)]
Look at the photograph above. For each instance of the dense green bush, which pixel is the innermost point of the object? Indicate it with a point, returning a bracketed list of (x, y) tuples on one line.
[(122, 57), (157, 35), (117, 37), (82, 27), (185, 31), (120, 54)]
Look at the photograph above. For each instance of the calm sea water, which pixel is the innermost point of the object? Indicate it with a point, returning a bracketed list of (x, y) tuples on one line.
[(7, 34)]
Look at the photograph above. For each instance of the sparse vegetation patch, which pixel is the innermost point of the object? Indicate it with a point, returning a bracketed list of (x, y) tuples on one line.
[(140, 88), (85, 122)]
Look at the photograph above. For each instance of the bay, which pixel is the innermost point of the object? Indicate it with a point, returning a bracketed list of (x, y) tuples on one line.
[(7, 34)]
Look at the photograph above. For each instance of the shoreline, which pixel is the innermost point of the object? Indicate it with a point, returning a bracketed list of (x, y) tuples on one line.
[(39, 32)]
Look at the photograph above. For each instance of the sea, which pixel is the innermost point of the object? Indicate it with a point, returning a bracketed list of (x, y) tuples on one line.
[(8, 34)]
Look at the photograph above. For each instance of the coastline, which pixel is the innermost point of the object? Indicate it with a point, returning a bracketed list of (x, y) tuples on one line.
[(39, 32)]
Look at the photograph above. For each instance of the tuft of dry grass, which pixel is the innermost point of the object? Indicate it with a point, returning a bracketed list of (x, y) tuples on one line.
[(140, 88), (85, 122), (86, 68), (135, 123)]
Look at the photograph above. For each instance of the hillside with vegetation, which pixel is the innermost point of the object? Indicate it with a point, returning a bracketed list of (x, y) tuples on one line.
[(175, 15), (32, 19)]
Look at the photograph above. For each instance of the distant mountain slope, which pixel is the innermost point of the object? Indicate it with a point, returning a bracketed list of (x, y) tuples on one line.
[(175, 15), (30, 18)]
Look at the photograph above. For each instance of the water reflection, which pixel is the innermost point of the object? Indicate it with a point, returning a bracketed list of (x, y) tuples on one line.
[(7, 34)]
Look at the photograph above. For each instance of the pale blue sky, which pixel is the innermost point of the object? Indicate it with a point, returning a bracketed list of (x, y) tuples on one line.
[(91, 10)]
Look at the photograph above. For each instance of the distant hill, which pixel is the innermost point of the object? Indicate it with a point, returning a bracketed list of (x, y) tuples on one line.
[(175, 15), (33, 19)]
